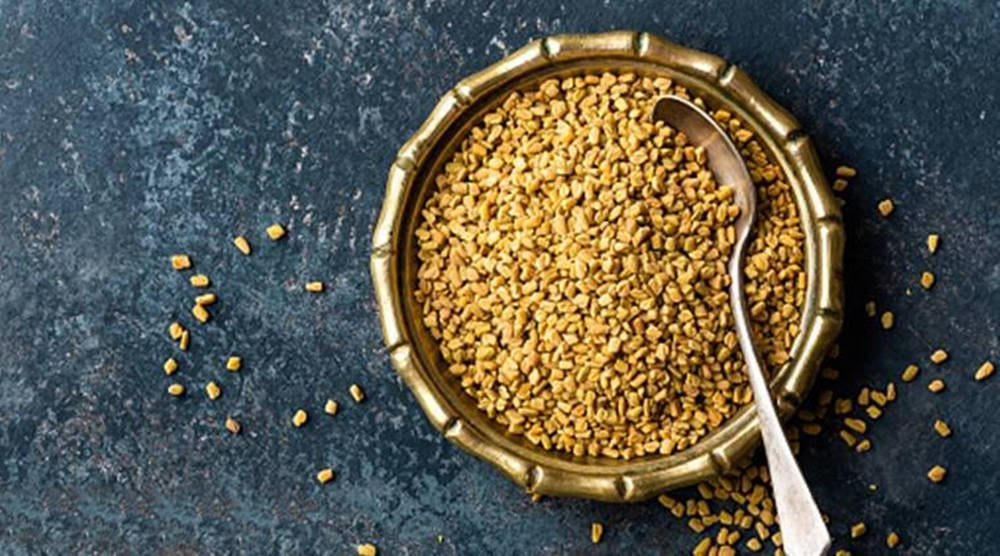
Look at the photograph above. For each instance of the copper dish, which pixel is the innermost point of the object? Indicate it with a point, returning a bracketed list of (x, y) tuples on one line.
[(415, 356)]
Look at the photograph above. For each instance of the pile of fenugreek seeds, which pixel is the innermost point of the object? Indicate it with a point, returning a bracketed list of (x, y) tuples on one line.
[(572, 268)]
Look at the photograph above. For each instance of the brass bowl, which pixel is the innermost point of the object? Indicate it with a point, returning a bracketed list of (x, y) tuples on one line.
[(415, 354)]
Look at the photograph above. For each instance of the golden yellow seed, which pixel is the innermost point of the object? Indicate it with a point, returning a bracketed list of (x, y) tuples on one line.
[(892, 540), (937, 473), (855, 424), (754, 545), (696, 525), (330, 408), (863, 396), (324, 476), (232, 425), (175, 330), (275, 231), (200, 313), (205, 299), (185, 340), (200, 281), (870, 308), (175, 389), (535, 497), (927, 280), (942, 428), (314, 286), (858, 529), (839, 184), (890, 392), (873, 412), (985, 370), (596, 531), (233, 363), (863, 446), (936, 385), (885, 207), (878, 397), (170, 366), (702, 548), (910, 373), (180, 262), (242, 244), (812, 429), (846, 172), (300, 418), (842, 552), (887, 320), (939, 356), (932, 243), (843, 406), (357, 393), (367, 549), (213, 390), (848, 438)]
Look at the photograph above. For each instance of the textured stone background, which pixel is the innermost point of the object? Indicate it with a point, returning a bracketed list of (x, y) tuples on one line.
[(132, 130)]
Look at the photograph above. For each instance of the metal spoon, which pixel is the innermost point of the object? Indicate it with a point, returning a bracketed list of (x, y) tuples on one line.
[(803, 532)]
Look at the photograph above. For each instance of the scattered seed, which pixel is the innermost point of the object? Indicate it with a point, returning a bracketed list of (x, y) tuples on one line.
[(863, 396), (855, 424), (367, 549), (910, 373), (205, 299), (175, 389), (200, 313), (839, 184), (357, 393), (858, 529), (696, 525), (885, 207), (536, 498), (848, 438), (702, 548), (234, 363), (870, 308), (324, 476), (300, 418), (936, 385), (754, 545), (843, 406), (873, 412), (242, 244), (330, 408), (314, 286), (890, 392), (873, 487), (985, 370), (170, 366), (846, 172), (596, 531), (213, 390), (939, 356), (175, 330), (942, 428), (892, 539), (878, 397), (887, 320), (200, 281), (863, 446), (812, 429), (232, 425), (842, 552), (185, 340), (275, 231), (937, 473), (932, 243), (180, 262), (927, 280)]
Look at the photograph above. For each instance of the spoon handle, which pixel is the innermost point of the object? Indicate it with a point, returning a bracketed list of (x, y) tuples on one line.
[(803, 532)]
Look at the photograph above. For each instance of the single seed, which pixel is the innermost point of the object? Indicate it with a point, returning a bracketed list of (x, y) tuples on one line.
[(985, 370), (843, 406), (932, 243), (870, 308), (170, 366), (536, 498), (839, 184), (232, 425), (234, 363), (942, 428), (855, 424), (873, 412), (324, 476), (180, 262), (873, 487), (205, 299), (200, 313), (185, 340), (858, 529), (702, 548), (175, 389), (910, 373), (937, 473), (863, 396), (596, 531), (300, 418), (879, 398), (842, 552), (330, 408), (890, 392), (939, 356), (175, 330), (357, 393), (314, 286), (275, 231), (863, 446), (927, 280), (754, 545), (367, 549), (213, 390), (849, 438), (936, 385), (846, 172), (242, 244), (892, 539), (887, 320), (812, 429), (696, 525), (200, 281), (885, 207)]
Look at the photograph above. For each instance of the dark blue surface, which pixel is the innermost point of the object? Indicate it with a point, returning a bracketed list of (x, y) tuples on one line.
[(133, 131)]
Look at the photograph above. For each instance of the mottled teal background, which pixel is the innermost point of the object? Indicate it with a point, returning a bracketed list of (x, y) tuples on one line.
[(132, 130)]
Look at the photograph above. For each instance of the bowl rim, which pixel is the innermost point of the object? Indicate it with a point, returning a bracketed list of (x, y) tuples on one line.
[(554, 474)]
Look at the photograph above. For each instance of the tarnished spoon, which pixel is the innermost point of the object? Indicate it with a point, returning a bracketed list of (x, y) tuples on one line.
[(803, 532)]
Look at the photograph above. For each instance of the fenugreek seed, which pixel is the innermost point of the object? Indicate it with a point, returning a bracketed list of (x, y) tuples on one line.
[(890, 392), (855, 424), (848, 438), (839, 184), (242, 244), (873, 487), (314, 286), (870, 308), (939, 356), (887, 320), (324, 476), (330, 408), (942, 428), (864, 396), (200, 313), (892, 540), (536, 498), (932, 243), (842, 552), (213, 390), (885, 207), (233, 363), (175, 389), (858, 529), (232, 425), (299, 418), (696, 525), (367, 549), (205, 299), (843, 406), (812, 429), (910, 373), (200, 281), (873, 412), (754, 545), (170, 366), (357, 393), (937, 473), (846, 172), (927, 280), (702, 548), (596, 531), (275, 231), (175, 330), (879, 398), (180, 262), (936, 385), (185, 340), (985, 370), (863, 446)]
